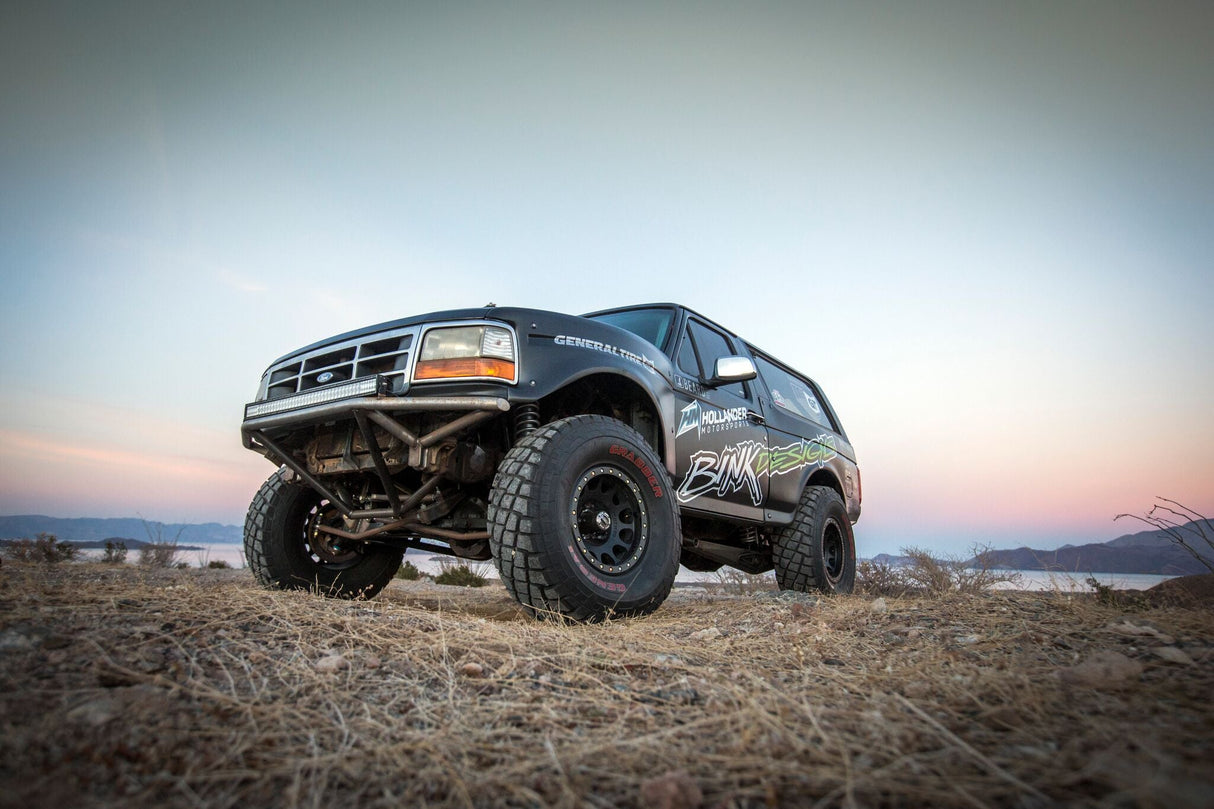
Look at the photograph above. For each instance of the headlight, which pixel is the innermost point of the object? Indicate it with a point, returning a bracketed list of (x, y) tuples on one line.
[(467, 352)]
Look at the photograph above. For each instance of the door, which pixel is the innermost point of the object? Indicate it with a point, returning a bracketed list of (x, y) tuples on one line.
[(803, 437), (720, 442)]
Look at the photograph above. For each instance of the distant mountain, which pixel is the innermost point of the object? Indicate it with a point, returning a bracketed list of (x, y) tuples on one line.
[(1149, 538), (889, 560), (98, 544), (98, 530), (1143, 552)]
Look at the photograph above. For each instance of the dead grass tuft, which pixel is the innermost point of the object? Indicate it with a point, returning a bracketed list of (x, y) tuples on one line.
[(146, 687)]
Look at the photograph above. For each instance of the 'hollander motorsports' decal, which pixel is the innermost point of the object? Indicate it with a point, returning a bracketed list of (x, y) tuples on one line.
[(744, 463), (606, 348), (709, 419)]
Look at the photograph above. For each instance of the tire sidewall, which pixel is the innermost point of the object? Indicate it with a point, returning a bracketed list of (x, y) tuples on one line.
[(573, 453), (287, 528), (800, 552), (288, 564), (832, 511)]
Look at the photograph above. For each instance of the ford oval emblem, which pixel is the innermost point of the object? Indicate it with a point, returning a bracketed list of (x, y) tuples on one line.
[(325, 378)]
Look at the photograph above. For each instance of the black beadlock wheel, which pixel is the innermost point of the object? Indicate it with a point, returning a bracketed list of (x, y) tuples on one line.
[(817, 551), (286, 549), (582, 521)]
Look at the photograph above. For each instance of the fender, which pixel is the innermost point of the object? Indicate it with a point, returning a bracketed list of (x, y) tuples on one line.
[(558, 350)]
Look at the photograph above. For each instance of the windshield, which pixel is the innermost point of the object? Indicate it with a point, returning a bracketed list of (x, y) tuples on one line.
[(652, 325)]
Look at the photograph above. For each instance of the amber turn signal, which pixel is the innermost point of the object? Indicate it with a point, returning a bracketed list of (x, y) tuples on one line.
[(464, 367)]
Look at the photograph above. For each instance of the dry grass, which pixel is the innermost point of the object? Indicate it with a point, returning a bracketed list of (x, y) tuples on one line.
[(139, 687)]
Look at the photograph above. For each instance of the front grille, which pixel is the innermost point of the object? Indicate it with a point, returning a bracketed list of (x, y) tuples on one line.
[(385, 353)]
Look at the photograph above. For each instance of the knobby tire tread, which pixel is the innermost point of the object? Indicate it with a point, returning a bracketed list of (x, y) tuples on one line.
[(255, 523), (365, 580), (792, 556), (514, 514)]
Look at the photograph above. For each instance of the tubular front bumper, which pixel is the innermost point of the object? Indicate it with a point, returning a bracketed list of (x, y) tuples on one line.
[(256, 432), (346, 408)]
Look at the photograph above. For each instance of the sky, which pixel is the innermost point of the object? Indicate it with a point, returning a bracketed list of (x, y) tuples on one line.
[(986, 230)]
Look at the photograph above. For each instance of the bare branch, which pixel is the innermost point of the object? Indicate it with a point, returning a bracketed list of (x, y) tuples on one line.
[(1185, 508), (1176, 531)]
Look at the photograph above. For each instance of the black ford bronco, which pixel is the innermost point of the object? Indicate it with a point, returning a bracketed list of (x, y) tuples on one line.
[(586, 456)]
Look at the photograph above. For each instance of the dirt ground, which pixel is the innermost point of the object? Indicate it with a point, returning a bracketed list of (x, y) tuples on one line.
[(129, 687)]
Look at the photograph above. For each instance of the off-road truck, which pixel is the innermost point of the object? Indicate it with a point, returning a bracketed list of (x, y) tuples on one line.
[(586, 456)]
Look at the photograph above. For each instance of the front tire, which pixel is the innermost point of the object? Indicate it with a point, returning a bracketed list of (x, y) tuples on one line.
[(286, 550), (817, 551), (582, 522)]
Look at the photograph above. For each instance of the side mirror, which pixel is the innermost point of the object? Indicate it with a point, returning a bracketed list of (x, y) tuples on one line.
[(732, 369)]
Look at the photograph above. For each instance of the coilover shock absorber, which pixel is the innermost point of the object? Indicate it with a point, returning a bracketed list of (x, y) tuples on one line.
[(526, 420)]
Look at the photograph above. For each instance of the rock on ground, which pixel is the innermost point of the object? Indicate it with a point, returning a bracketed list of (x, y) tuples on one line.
[(1103, 669), (673, 790)]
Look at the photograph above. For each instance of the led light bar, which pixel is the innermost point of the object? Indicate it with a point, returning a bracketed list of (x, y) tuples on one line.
[(359, 387)]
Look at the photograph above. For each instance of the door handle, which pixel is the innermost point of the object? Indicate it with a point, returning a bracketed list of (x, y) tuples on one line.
[(755, 418)]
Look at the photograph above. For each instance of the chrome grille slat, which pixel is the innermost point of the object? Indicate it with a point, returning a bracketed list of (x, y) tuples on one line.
[(387, 354)]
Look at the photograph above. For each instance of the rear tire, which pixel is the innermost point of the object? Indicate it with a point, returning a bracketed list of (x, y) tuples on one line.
[(582, 522), (817, 551), (286, 551)]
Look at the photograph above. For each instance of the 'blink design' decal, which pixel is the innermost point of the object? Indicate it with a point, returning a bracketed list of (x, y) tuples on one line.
[(742, 465)]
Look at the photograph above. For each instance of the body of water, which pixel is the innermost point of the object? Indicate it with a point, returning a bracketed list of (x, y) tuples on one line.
[(233, 554), (230, 552), (1078, 582), (1035, 580)]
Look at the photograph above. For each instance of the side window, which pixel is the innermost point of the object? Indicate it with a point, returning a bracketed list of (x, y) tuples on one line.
[(792, 393), (687, 358), (711, 345)]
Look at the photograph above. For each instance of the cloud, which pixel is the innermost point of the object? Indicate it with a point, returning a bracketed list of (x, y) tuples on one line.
[(18, 448), (54, 476), (159, 257), (241, 283)]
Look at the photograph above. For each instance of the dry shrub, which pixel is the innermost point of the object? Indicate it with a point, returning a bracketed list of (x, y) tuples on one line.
[(925, 572), (45, 549), (929, 575), (880, 579), (115, 552), (159, 554), (408, 571), (158, 551), (460, 575), (735, 581), (977, 575)]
